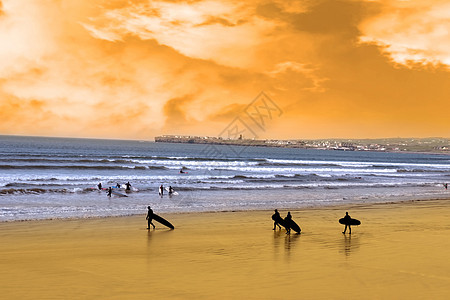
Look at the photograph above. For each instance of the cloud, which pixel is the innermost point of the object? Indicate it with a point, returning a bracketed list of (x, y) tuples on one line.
[(222, 31), (136, 69), (411, 32)]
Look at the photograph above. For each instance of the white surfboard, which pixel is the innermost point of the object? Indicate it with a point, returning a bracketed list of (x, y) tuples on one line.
[(173, 193)]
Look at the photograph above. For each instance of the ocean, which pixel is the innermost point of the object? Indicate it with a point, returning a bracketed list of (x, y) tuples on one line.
[(48, 178)]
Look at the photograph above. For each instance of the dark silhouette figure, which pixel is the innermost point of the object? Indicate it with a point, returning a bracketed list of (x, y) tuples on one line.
[(109, 192), (161, 190), (170, 190), (128, 188), (287, 222), (181, 171), (118, 185), (445, 185), (347, 219), (277, 220), (149, 218), (99, 186)]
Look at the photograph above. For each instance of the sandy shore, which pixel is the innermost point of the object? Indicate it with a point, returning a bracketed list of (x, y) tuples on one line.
[(401, 251)]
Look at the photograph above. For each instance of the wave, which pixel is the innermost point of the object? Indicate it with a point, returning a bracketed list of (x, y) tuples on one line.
[(356, 163), (220, 185), (421, 171), (81, 167)]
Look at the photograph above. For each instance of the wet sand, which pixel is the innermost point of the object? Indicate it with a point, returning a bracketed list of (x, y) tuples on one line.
[(401, 251)]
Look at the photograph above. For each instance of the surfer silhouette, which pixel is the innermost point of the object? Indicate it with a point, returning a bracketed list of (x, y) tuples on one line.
[(287, 222), (445, 185), (347, 219), (276, 219), (149, 218), (170, 190), (109, 192), (99, 186), (161, 190), (181, 171), (118, 185), (128, 184)]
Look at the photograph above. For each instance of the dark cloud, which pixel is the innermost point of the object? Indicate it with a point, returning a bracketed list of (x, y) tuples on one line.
[(221, 21), (227, 113), (175, 112)]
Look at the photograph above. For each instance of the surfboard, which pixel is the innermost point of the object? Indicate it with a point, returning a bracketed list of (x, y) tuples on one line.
[(351, 221), (118, 194), (294, 226), (173, 193), (162, 221)]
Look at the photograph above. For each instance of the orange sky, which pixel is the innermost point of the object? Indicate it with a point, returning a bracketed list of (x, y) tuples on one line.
[(137, 69)]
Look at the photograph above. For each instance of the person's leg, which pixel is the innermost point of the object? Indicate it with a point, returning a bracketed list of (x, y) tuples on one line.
[(349, 229), (345, 229)]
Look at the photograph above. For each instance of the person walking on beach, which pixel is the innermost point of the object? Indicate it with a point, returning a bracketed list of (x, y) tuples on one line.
[(149, 218), (287, 222), (347, 219), (276, 219), (109, 192), (161, 190)]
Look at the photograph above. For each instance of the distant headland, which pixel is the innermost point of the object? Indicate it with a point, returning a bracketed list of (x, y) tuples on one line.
[(433, 145)]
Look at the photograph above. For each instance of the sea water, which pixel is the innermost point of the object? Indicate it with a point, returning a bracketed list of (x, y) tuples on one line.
[(46, 178)]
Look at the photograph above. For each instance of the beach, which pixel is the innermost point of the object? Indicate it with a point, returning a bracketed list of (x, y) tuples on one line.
[(400, 251)]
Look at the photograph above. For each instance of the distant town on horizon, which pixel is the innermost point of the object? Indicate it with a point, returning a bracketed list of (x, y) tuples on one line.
[(432, 144)]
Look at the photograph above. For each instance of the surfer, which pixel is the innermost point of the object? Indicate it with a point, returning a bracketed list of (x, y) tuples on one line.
[(276, 219), (287, 222), (109, 192), (445, 185), (347, 219), (181, 171), (128, 184), (170, 190), (118, 185), (161, 190), (99, 186), (149, 218)]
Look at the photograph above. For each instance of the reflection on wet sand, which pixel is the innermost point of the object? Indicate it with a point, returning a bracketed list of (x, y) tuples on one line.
[(233, 255), (350, 244), (288, 240)]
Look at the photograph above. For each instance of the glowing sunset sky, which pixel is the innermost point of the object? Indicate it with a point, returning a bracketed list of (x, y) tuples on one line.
[(137, 69)]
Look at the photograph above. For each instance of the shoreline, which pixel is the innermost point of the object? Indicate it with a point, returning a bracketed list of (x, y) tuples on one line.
[(400, 251), (305, 208)]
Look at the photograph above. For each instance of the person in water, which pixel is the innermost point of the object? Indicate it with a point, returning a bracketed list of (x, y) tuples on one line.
[(118, 185), (161, 190), (128, 184), (170, 190), (181, 171), (347, 219), (445, 185), (149, 218), (287, 222), (276, 219), (109, 192), (99, 186)]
